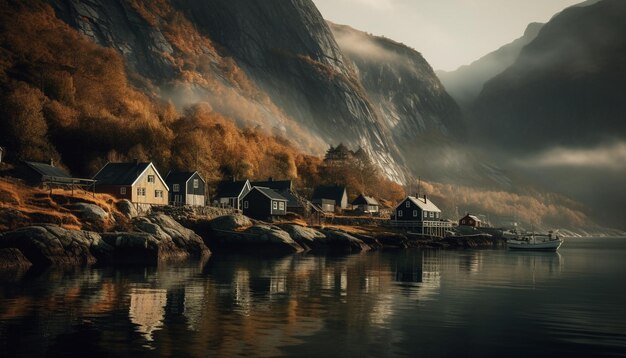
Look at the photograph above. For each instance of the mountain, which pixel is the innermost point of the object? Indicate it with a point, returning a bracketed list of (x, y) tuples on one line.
[(291, 73), (466, 82), (420, 115), (567, 86)]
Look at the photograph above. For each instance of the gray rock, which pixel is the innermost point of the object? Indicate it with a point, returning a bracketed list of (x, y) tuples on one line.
[(13, 259), (88, 211), (126, 208), (271, 236), (52, 245), (172, 235), (230, 222), (342, 242), (305, 236)]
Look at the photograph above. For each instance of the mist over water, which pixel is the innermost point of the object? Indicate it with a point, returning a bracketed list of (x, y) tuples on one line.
[(398, 303)]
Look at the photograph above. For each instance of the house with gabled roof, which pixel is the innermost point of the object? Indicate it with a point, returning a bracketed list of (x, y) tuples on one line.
[(470, 220), (186, 188), (229, 193), (365, 204), (421, 213), (36, 173), (337, 193), (264, 204), (295, 203), (140, 183)]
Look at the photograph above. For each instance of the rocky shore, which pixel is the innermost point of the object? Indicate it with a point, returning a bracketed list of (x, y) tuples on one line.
[(174, 234)]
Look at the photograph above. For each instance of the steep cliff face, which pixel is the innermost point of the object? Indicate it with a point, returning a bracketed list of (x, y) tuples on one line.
[(290, 52), (465, 83), (566, 88)]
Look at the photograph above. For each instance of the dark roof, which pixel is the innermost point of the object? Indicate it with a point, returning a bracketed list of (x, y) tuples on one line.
[(278, 185), (270, 193), (229, 188), (364, 200), (120, 173), (178, 177), (48, 170), (333, 192)]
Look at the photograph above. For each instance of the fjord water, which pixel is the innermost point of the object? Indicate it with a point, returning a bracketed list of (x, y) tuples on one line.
[(392, 303)]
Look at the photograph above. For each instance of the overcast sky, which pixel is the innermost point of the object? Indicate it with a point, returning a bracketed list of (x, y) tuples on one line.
[(448, 33)]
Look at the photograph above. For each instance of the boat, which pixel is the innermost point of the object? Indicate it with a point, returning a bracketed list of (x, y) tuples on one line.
[(535, 242)]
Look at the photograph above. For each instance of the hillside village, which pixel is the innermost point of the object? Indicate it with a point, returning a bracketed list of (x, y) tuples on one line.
[(145, 188)]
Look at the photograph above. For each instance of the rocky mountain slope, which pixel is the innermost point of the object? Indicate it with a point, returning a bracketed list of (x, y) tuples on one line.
[(291, 74), (465, 83), (565, 88)]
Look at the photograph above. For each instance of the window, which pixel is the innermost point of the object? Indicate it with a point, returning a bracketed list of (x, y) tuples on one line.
[(150, 178), (431, 214), (400, 212), (425, 214), (463, 222), (408, 204), (414, 213), (274, 205), (177, 198), (196, 184), (141, 191), (176, 188), (158, 193), (437, 215), (123, 190), (245, 204), (281, 205)]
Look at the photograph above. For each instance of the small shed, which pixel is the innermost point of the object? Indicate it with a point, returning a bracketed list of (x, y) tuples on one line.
[(35, 173), (337, 193), (366, 204), (186, 188), (470, 220), (230, 193), (264, 204)]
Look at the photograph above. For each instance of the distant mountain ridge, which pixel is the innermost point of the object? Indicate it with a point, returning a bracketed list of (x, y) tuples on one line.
[(567, 87), (466, 82)]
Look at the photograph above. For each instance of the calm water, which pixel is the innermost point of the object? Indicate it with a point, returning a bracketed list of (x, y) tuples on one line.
[(401, 303)]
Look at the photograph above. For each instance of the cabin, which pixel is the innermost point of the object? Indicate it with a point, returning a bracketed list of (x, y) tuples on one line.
[(422, 214), (36, 174), (229, 193), (140, 183), (365, 204), (470, 220), (295, 203), (186, 188), (264, 204), (336, 193)]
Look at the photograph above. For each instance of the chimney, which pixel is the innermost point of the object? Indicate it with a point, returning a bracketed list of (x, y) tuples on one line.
[(425, 198), (51, 162)]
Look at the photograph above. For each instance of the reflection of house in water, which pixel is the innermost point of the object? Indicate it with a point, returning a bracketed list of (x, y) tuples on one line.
[(409, 269), (470, 262), (147, 310)]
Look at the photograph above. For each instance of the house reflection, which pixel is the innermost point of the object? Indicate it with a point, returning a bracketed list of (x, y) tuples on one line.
[(147, 310)]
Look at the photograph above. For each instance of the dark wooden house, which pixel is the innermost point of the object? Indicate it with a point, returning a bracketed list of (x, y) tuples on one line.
[(138, 182), (470, 220), (230, 193), (186, 188), (365, 204), (264, 204), (295, 203), (417, 209), (35, 173), (337, 193)]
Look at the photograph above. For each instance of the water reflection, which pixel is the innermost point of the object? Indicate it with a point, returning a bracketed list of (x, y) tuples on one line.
[(380, 303)]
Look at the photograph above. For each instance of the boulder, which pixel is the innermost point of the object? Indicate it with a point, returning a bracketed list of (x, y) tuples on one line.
[(13, 259), (306, 237), (52, 245), (390, 239), (126, 208), (270, 238), (166, 229), (230, 222), (88, 211), (341, 242)]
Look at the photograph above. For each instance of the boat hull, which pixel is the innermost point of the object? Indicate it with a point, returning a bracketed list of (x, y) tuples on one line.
[(539, 246)]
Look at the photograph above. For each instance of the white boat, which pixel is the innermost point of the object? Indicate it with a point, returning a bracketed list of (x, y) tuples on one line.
[(536, 242)]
